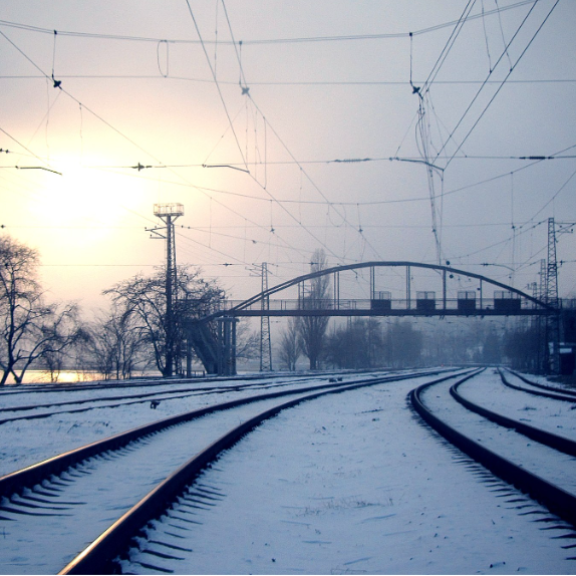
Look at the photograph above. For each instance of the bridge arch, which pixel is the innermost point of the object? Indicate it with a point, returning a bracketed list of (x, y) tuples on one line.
[(218, 354), (536, 304)]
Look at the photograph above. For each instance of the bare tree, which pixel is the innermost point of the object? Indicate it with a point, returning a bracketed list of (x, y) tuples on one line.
[(289, 349), (312, 329), (359, 344), (247, 342), (403, 344), (30, 329), (143, 300), (115, 345)]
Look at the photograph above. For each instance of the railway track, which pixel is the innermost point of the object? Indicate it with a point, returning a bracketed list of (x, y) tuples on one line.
[(523, 384), (12, 390), (543, 467), (47, 409), (38, 501)]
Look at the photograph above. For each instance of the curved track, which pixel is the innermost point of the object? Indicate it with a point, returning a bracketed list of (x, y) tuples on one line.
[(526, 465), (552, 389), (170, 391), (555, 441), (36, 491)]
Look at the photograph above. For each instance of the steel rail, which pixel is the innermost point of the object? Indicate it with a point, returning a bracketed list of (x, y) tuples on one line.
[(560, 397), (543, 386), (560, 443), (557, 500), (28, 477), (128, 400), (12, 389), (98, 557)]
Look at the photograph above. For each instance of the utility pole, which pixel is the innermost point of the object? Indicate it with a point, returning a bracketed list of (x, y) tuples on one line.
[(265, 342), (553, 324), (552, 352), (169, 213)]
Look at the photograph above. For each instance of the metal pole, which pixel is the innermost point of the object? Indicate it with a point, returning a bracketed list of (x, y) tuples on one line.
[(265, 341), (233, 349), (408, 304), (169, 315)]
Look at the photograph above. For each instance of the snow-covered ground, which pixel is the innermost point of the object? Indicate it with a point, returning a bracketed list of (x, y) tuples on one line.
[(27, 442), (548, 414), (353, 483), (119, 482), (539, 379), (554, 466), (348, 483)]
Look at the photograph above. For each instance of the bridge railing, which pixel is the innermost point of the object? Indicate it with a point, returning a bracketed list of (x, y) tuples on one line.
[(425, 305)]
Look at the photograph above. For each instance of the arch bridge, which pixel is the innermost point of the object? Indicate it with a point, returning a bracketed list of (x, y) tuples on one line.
[(442, 295)]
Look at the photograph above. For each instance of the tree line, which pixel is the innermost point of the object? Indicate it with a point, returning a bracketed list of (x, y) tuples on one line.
[(131, 335), (364, 343), (372, 343)]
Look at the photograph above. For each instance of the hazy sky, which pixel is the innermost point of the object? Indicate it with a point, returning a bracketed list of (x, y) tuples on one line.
[(323, 81)]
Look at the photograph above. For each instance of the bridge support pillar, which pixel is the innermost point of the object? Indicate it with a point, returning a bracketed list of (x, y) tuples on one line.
[(227, 346), (188, 358), (336, 290)]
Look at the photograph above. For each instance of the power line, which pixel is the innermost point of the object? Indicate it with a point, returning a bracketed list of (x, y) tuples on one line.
[(246, 92), (47, 164), (447, 47), (413, 159), (512, 68), (537, 160), (58, 85), (401, 83), (215, 81), (490, 72), (311, 39)]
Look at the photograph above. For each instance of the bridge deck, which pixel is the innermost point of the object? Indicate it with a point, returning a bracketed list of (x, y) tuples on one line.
[(366, 307)]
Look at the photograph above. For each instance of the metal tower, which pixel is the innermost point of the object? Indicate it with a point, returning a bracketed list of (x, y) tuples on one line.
[(552, 340), (265, 342), (169, 213)]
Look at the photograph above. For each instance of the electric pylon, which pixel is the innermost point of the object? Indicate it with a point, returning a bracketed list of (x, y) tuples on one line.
[(552, 340), (169, 213), (265, 342)]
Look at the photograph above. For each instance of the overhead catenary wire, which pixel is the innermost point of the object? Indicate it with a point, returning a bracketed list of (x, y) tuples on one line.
[(491, 71), (215, 80), (329, 202), (342, 38), (447, 47), (172, 77), (534, 160), (512, 68), (245, 92), (110, 126)]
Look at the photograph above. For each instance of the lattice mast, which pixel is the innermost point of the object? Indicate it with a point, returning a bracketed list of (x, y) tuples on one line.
[(552, 340), (265, 341), (169, 213)]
